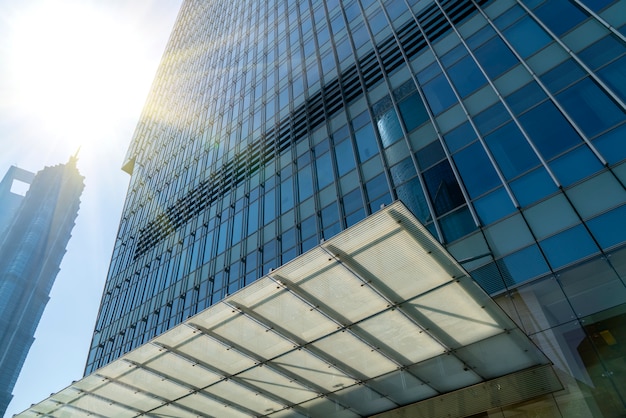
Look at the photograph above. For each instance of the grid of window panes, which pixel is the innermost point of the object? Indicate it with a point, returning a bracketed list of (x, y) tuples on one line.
[(501, 124)]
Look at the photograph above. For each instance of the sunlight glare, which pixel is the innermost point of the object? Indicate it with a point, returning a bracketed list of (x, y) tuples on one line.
[(73, 67)]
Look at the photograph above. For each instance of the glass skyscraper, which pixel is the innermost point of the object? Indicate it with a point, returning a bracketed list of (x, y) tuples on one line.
[(34, 231), (273, 125)]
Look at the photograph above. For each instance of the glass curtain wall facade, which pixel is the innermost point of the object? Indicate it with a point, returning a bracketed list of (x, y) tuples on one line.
[(501, 124)]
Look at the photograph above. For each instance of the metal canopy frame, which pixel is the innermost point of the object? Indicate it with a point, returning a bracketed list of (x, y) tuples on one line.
[(378, 317)]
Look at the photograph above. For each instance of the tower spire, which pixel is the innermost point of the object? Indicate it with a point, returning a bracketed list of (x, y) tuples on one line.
[(74, 157)]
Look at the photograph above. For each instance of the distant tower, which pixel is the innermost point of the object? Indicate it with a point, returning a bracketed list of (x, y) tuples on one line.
[(34, 231)]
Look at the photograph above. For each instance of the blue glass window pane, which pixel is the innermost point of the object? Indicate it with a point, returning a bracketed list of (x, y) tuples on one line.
[(413, 112), (337, 24), (376, 186), (253, 218), (330, 215), (525, 264), (321, 148), (459, 137), (439, 94), (527, 37), (598, 194), (288, 255), (457, 224), (298, 84), (466, 76), (551, 216), (312, 74), (208, 243), (443, 189), (308, 227), (476, 170), (377, 21), (601, 52), (286, 194), (429, 73), (270, 179), (612, 145), (380, 202), (508, 17), (269, 211), (353, 201), (402, 171), (527, 96), (324, 169), (453, 55), (359, 36), (389, 127), (480, 37), (597, 5), (489, 278), (608, 229), (323, 34), (494, 206), (328, 64), (309, 243), (380, 107), (568, 246), (366, 142), (533, 186), (406, 89), (432, 229), (614, 75), (395, 8), (344, 49), (549, 130), (559, 15), (430, 154), (491, 118), (590, 107), (288, 238), (575, 165), (283, 97), (412, 195), (495, 57), (305, 183), (511, 150), (344, 157), (562, 75), (360, 120), (331, 230), (355, 217), (269, 250)]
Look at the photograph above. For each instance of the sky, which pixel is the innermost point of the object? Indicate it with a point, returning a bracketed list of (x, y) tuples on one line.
[(74, 74)]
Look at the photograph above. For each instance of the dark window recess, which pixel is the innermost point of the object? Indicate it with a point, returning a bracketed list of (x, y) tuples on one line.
[(443, 189), (318, 107)]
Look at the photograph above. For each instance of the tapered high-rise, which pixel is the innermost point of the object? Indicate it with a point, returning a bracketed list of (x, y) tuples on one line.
[(274, 125), (34, 231)]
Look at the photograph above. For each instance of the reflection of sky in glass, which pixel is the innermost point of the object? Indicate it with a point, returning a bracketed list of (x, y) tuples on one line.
[(389, 128)]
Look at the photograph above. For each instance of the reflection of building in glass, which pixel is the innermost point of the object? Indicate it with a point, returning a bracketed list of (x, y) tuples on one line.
[(500, 124), (34, 230)]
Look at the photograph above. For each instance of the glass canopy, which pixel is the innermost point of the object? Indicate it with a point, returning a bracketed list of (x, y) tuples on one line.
[(378, 317)]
